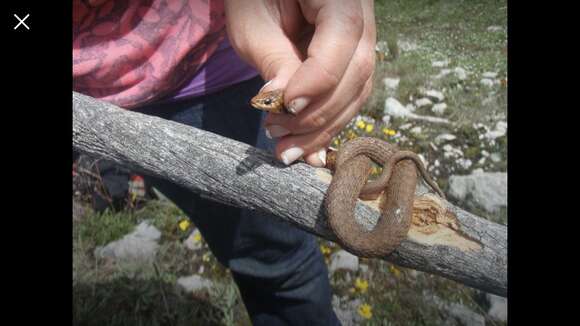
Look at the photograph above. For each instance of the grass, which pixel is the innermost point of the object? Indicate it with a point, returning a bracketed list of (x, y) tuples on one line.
[(416, 34)]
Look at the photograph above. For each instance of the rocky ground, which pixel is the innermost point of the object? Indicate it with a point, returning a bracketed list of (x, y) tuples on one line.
[(440, 90)]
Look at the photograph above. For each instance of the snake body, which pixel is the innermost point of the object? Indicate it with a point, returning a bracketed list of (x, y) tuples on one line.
[(351, 168)]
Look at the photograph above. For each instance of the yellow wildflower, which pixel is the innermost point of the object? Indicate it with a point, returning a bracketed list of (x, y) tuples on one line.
[(369, 128), (395, 271), (350, 134), (336, 142), (361, 124), (389, 132), (196, 236), (365, 310), (325, 250), (184, 224), (361, 285)]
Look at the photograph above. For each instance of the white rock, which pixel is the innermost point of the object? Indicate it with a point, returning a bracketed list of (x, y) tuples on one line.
[(386, 119), (495, 157), (395, 108), (423, 102), (407, 45), (460, 73), (439, 108), (391, 83), (444, 137), (347, 311), (484, 153), (416, 130), (498, 307), (440, 64), (494, 28), (442, 73), (436, 95), (464, 163), (138, 246), (405, 126), (487, 82), (410, 107), (364, 268), (194, 283), (436, 163), (499, 131), (343, 260), (487, 190), (489, 74)]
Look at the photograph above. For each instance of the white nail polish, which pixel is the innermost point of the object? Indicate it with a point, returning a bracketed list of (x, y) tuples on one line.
[(322, 156), (277, 131), (292, 154), (298, 104)]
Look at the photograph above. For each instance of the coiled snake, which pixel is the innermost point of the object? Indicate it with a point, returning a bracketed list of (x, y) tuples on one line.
[(351, 168)]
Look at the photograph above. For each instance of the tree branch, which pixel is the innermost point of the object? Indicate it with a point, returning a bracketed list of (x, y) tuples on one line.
[(444, 239)]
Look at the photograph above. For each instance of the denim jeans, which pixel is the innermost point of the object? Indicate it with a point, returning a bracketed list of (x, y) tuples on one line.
[(278, 268)]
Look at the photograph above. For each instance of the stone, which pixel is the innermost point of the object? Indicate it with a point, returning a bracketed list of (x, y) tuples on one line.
[(487, 82), (439, 108), (460, 73), (391, 83), (498, 307), (138, 246), (444, 137), (489, 75), (440, 63), (395, 108), (434, 95), (343, 260), (194, 283), (487, 190), (423, 102), (494, 28)]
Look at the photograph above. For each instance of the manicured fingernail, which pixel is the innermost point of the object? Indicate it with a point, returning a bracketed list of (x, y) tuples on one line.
[(276, 131), (322, 156), (266, 84), (298, 104), (292, 154)]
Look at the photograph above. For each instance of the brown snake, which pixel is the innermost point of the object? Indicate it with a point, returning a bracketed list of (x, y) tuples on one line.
[(351, 167)]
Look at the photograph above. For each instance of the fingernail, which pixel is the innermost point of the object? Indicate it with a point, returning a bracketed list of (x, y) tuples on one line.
[(298, 104), (266, 84), (267, 133), (276, 131), (322, 156), (292, 154)]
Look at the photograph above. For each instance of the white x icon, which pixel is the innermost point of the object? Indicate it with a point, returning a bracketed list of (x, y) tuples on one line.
[(21, 22)]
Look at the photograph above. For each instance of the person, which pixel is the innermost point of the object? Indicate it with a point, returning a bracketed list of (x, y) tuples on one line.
[(199, 63)]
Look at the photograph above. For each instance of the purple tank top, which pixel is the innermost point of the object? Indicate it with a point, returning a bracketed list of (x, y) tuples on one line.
[(224, 68)]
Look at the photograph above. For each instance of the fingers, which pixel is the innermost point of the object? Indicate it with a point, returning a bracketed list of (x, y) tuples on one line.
[(292, 147), (339, 26)]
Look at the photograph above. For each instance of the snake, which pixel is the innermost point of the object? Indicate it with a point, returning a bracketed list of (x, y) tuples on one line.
[(351, 167)]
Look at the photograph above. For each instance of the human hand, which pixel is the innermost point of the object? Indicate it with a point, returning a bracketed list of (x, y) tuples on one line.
[(322, 52)]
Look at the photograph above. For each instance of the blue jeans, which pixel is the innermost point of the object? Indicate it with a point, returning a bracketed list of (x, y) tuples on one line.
[(278, 268)]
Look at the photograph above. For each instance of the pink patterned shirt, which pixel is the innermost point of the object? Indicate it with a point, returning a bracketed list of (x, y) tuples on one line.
[(133, 52)]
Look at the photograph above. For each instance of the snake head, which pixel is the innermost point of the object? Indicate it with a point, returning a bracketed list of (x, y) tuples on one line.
[(272, 101)]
